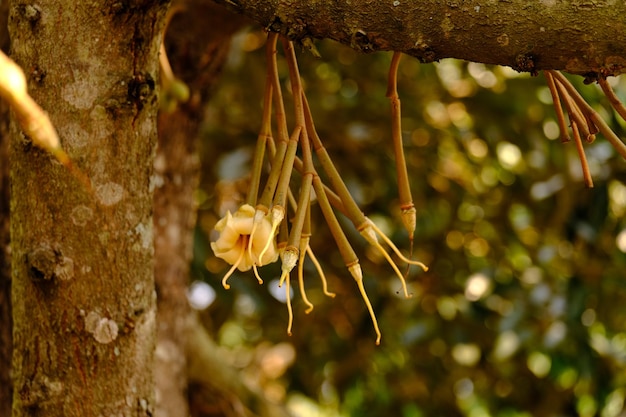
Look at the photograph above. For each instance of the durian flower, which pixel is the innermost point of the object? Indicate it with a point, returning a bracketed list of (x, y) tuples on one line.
[(235, 246)]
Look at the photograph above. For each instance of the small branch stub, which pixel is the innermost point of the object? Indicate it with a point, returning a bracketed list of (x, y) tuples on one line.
[(32, 13), (46, 264)]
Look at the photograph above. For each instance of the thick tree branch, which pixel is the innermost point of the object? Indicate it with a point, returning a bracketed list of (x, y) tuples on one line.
[(577, 36)]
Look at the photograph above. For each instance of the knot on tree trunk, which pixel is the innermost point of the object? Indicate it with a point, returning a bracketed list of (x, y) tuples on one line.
[(46, 264)]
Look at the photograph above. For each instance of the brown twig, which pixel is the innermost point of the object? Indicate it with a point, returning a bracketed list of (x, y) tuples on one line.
[(581, 155), (556, 101), (409, 217), (610, 94), (591, 114), (573, 111)]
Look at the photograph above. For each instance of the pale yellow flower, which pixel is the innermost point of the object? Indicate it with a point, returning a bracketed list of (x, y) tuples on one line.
[(235, 245)]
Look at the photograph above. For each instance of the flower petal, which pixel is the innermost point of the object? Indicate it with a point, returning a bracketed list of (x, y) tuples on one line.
[(235, 230), (230, 255)]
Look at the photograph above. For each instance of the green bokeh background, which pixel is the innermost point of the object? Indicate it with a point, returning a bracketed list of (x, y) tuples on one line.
[(522, 311)]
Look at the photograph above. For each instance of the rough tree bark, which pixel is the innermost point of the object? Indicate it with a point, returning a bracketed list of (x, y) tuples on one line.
[(82, 260), (6, 325), (6, 321), (578, 36)]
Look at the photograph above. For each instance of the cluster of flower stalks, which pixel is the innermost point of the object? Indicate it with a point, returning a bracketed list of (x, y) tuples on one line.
[(585, 122), (257, 233)]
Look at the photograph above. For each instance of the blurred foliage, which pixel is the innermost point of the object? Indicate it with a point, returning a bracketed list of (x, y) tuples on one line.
[(521, 312)]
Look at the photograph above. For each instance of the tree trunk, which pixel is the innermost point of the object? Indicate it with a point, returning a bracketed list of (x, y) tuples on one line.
[(197, 41), (82, 259), (578, 36), (6, 321)]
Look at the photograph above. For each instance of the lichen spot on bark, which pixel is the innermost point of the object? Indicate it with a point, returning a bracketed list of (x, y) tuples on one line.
[(102, 125), (91, 321), (145, 235), (80, 94), (156, 181), (104, 330), (447, 26), (109, 194), (65, 269), (80, 215), (75, 138)]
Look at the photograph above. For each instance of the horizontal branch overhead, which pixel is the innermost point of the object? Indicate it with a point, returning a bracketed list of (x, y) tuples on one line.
[(578, 36)]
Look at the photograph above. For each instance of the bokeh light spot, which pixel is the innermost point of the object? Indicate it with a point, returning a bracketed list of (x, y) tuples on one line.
[(463, 388), (279, 293), (588, 317), (478, 247), (614, 404), (349, 89), (454, 239), (586, 406), (620, 241), (477, 286), (617, 199), (551, 129), (467, 354), (446, 306), (506, 345), (200, 295), (539, 364), (555, 334), (509, 155), (477, 148)]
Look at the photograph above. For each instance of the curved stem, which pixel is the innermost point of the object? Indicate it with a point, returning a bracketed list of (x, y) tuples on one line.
[(581, 155), (619, 146), (557, 107), (610, 94)]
